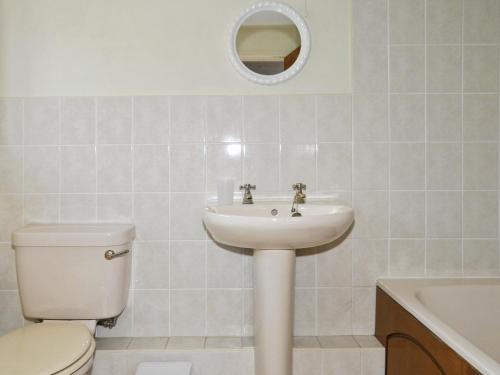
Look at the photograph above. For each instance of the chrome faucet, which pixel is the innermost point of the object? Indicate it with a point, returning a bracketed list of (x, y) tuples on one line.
[(299, 198), (247, 195)]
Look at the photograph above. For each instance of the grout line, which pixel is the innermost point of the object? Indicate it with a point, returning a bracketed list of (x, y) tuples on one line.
[(462, 269), (389, 197), (425, 137), (132, 189), (169, 101), (60, 158)]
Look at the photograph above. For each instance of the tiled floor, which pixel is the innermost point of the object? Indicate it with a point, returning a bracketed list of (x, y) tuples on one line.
[(325, 355)]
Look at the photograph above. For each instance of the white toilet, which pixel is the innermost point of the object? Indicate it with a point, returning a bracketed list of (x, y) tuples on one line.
[(70, 277)]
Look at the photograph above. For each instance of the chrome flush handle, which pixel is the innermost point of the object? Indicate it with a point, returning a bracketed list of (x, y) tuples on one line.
[(111, 254)]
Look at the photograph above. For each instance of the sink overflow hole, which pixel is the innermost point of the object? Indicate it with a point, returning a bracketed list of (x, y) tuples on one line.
[(274, 212)]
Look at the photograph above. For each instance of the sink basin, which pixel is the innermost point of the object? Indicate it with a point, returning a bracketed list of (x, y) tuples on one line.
[(255, 226)]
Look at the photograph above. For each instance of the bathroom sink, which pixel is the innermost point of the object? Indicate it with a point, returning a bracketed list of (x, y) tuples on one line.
[(271, 225)]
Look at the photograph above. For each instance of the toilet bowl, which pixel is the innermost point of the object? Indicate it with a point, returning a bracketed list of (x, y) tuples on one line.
[(70, 276), (47, 349)]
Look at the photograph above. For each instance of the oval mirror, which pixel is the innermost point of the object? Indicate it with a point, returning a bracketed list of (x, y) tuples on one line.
[(269, 43)]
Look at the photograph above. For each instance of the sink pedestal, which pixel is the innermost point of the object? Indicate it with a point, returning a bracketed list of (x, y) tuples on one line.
[(274, 278)]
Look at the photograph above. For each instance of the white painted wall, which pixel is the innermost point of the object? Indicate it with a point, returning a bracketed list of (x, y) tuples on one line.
[(134, 47)]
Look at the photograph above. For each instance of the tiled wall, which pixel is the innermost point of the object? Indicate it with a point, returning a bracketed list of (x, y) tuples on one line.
[(414, 149)]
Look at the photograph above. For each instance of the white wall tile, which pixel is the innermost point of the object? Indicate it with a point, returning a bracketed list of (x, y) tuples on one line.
[(187, 312), (41, 121), (334, 166), (480, 219), (151, 168), (481, 258), (298, 164), (223, 160), (10, 311), (363, 311), (115, 208), (370, 68), (444, 166), (11, 165), (41, 169), (261, 118), (11, 121), (305, 268), (444, 214), (480, 166), (8, 280), (444, 21), (370, 261), (407, 214), (78, 121), (372, 220), (373, 362), (151, 119), (151, 216), (407, 166), (407, 69), (188, 115), (338, 362), (186, 211), (151, 313), (41, 208), (335, 266), (444, 117), (261, 166), (224, 119), (224, 312), (481, 21), (224, 266), (444, 68), (114, 169), (369, 21), (335, 311), (481, 68), (305, 312), (407, 118), (78, 169), (370, 166), (188, 264), (334, 117), (297, 119), (480, 117), (407, 258), (370, 117), (444, 257), (114, 120), (78, 208), (187, 168), (407, 19), (151, 265)]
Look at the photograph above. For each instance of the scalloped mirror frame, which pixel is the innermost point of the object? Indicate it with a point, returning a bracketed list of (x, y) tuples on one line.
[(305, 41)]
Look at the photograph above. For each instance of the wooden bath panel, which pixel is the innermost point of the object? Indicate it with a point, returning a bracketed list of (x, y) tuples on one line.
[(411, 348)]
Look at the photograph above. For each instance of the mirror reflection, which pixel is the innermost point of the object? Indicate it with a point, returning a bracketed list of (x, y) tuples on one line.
[(268, 43)]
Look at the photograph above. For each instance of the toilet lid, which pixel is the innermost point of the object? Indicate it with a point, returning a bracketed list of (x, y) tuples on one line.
[(43, 349)]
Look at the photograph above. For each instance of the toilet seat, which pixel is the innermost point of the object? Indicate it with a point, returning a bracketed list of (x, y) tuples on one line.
[(46, 349)]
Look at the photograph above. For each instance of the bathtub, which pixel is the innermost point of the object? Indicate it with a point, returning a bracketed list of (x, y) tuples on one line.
[(464, 313)]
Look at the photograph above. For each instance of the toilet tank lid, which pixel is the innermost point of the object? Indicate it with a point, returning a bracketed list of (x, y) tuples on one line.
[(73, 235)]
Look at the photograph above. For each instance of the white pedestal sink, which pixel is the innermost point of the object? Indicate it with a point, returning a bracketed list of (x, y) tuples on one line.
[(274, 234)]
